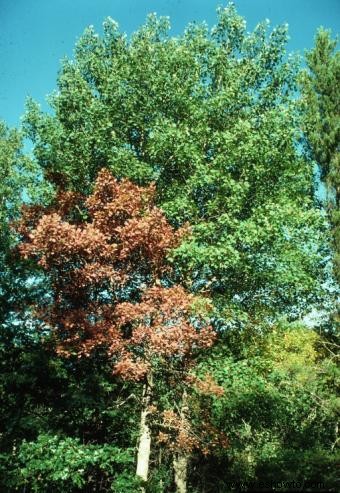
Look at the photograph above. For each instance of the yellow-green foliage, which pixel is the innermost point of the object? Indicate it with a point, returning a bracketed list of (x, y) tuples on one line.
[(293, 353)]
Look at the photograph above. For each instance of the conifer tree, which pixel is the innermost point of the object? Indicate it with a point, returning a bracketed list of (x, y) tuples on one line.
[(321, 93)]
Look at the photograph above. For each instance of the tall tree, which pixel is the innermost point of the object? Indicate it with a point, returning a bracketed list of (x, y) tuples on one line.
[(321, 96), (210, 116), (110, 288)]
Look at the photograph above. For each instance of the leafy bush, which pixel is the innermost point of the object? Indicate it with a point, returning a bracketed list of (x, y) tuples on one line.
[(66, 465)]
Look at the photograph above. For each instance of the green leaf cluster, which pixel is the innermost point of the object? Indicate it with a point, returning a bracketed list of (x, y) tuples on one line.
[(279, 408), (66, 465)]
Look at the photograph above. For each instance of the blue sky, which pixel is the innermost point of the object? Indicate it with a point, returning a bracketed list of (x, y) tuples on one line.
[(36, 34)]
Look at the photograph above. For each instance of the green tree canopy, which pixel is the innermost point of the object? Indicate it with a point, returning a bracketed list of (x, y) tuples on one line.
[(210, 116)]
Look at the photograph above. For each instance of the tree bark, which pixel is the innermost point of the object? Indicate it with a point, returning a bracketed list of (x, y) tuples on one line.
[(144, 446), (181, 459), (180, 464)]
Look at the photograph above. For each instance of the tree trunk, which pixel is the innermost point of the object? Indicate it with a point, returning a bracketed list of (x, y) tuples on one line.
[(181, 459), (144, 446), (180, 463)]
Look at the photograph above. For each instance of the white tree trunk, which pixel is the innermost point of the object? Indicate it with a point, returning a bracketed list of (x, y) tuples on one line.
[(180, 463), (144, 447), (181, 459)]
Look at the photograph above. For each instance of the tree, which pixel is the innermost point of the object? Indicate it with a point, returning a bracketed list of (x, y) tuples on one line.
[(110, 288), (320, 84), (210, 116), (19, 181)]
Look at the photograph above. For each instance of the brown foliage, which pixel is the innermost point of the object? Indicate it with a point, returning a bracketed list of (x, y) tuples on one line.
[(161, 322), (123, 233), (179, 433), (91, 250)]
